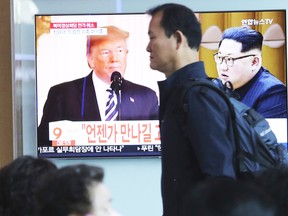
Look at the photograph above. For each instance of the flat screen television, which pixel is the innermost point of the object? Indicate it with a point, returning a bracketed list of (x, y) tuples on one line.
[(61, 56)]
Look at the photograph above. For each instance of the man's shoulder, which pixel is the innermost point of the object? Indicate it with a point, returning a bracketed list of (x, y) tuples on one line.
[(267, 80), (204, 93), (267, 75), (69, 84), (136, 87)]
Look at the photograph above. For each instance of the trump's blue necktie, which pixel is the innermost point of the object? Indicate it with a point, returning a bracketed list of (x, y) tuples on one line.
[(111, 112)]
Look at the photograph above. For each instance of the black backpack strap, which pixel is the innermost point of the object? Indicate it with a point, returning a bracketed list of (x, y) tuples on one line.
[(221, 91), (227, 88)]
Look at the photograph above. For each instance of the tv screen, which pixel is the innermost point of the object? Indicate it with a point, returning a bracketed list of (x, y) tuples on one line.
[(72, 100)]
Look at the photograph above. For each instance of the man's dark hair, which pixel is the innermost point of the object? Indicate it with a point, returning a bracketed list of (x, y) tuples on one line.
[(274, 181), (249, 38), (19, 181), (179, 17), (224, 196)]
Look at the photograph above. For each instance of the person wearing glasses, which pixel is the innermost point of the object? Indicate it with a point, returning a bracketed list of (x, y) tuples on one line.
[(239, 61), (86, 99)]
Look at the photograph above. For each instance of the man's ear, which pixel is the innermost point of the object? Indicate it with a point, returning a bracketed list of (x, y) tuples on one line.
[(256, 60), (256, 63), (89, 60), (178, 35)]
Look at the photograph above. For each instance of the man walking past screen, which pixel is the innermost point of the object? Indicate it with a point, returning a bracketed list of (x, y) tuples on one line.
[(202, 145)]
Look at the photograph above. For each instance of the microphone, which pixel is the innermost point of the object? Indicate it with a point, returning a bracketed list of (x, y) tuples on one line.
[(116, 82)]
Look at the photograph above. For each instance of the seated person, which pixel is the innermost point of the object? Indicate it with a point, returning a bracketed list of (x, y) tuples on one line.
[(75, 190), (224, 196), (18, 181), (274, 182), (239, 61)]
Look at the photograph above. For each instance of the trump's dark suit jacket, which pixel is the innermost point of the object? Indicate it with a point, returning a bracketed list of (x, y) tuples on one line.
[(76, 101)]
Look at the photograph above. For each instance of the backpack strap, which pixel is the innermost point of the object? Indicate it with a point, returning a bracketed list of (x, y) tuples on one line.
[(221, 91), (227, 88)]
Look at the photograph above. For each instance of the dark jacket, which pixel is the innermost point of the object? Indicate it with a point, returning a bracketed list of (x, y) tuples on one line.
[(76, 101), (266, 94), (195, 145)]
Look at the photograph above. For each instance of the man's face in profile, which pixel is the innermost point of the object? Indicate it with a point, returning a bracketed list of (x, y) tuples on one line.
[(108, 56)]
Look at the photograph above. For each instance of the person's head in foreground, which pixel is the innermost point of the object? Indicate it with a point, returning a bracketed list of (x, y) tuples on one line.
[(18, 182), (75, 190), (224, 196)]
